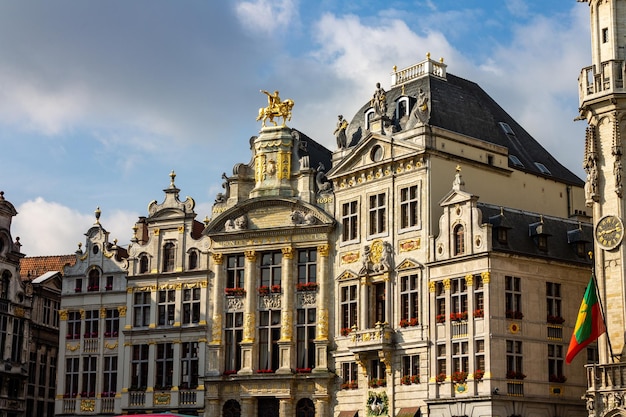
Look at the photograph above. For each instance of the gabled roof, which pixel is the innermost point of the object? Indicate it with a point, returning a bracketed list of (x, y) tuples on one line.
[(462, 106), (35, 266)]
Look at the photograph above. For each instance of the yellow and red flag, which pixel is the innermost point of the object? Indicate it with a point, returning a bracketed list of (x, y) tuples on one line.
[(589, 324)]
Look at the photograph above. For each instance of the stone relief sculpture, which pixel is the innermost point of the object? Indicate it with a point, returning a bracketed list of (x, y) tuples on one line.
[(379, 101), (239, 223), (589, 164), (275, 108), (222, 197), (340, 132), (323, 185), (300, 218), (377, 257), (422, 110)]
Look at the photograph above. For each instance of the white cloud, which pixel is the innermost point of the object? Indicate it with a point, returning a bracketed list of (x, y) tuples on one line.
[(267, 16), (49, 228)]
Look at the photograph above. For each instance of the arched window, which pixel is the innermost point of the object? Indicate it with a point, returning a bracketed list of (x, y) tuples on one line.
[(93, 280), (459, 239), (231, 409), (369, 115), (168, 257), (6, 281), (143, 264), (402, 107), (305, 408), (193, 259)]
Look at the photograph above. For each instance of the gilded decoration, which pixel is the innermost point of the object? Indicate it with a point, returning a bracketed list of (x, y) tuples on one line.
[(432, 287), (122, 310), (377, 257), (259, 167), (323, 250), (322, 324), (157, 231), (250, 255), (103, 312), (72, 348), (409, 245), (469, 280), (216, 332), (446, 284), (385, 357), (63, 315), (218, 258), (286, 329), (407, 264), (349, 257), (88, 405), (284, 165), (287, 252), (19, 312), (82, 313), (181, 229), (111, 346), (162, 398), (248, 328), (486, 276), (275, 108), (347, 275)]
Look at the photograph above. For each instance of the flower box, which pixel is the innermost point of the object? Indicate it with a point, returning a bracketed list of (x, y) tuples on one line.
[(405, 380), (236, 291), (346, 331), (460, 316), (558, 378), (479, 313), (441, 377), (415, 379), (350, 385), (276, 288), (230, 372), (264, 371), (307, 286), (555, 319), (303, 370), (478, 374), (404, 323), (263, 290), (441, 318), (515, 375), (77, 289), (375, 383), (108, 287), (459, 377)]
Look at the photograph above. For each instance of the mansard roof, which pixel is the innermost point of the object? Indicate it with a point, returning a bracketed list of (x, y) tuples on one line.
[(462, 106)]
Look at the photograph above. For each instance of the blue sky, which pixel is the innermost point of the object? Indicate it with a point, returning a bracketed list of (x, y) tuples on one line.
[(99, 101)]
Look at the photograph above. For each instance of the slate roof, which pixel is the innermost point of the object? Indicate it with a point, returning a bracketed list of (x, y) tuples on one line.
[(523, 227), (35, 266), (462, 106)]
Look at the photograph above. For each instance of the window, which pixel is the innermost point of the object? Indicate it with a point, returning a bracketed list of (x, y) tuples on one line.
[(553, 302), (93, 281), (377, 213), (402, 108), (380, 294), (513, 297), (50, 316), (542, 168), (92, 317), (459, 239), (305, 336), (6, 281), (305, 408), (141, 309), (89, 376), (164, 365), (377, 153), (271, 268), (460, 357), (479, 297), (307, 266), (143, 264), (440, 299), (592, 354), (72, 371), (409, 208), (369, 116), (349, 374), (514, 368), (189, 365), (349, 221), (348, 307), (112, 322), (78, 287), (231, 409), (169, 257), (458, 289), (109, 283), (233, 335), (409, 299), (410, 369), (555, 363), (166, 307), (269, 334), (73, 325), (193, 259), (502, 234), (377, 373), (191, 305), (139, 367), (441, 359), (506, 128), (479, 355), (235, 271), (605, 35), (109, 376)]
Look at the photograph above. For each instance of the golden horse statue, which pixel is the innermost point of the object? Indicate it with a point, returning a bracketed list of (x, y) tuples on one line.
[(275, 108)]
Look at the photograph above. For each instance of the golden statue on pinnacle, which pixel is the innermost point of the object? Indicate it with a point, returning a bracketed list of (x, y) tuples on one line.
[(275, 108)]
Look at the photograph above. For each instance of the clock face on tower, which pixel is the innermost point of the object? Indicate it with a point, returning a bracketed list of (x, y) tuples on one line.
[(609, 232)]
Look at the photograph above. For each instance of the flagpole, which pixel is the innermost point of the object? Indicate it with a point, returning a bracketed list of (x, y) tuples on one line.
[(599, 298)]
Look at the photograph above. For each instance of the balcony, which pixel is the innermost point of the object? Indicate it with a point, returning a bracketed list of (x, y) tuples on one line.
[(609, 78), (606, 387), (378, 338)]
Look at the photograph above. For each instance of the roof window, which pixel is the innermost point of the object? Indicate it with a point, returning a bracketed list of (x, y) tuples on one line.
[(541, 167), (515, 161), (507, 129)]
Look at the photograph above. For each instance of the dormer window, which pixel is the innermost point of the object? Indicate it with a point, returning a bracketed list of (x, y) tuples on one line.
[(515, 161), (541, 167), (459, 239), (143, 264), (538, 232), (503, 235), (193, 259), (369, 115), (402, 107), (542, 242), (506, 128)]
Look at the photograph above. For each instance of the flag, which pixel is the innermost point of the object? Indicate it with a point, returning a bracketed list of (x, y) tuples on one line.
[(589, 324)]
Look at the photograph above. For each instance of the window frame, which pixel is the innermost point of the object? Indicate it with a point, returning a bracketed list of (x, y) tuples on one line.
[(409, 207), (350, 221), (377, 214), (306, 325)]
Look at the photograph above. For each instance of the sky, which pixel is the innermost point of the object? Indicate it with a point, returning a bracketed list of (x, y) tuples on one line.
[(100, 101)]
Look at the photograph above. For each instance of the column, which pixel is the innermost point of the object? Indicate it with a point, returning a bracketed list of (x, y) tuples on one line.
[(215, 346), (323, 283), (363, 321), (285, 344), (486, 277), (249, 316), (321, 407), (248, 407), (285, 407)]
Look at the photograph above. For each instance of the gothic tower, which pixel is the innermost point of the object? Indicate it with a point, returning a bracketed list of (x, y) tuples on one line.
[(603, 105)]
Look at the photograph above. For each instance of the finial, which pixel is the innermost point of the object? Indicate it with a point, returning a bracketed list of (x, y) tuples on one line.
[(395, 68), (441, 60), (134, 238), (114, 243), (97, 213), (79, 250), (541, 218), (206, 221), (501, 211), (172, 177), (1, 195), (428, 55), (458, 168)]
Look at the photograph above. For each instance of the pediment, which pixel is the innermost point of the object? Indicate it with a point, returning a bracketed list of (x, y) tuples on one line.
[(455, 197), (374, 150), (408, 264), (347, 275), (269, 214)]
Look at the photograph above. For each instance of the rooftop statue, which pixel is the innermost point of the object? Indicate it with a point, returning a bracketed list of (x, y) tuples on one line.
[(379, 101), (275, 108)]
